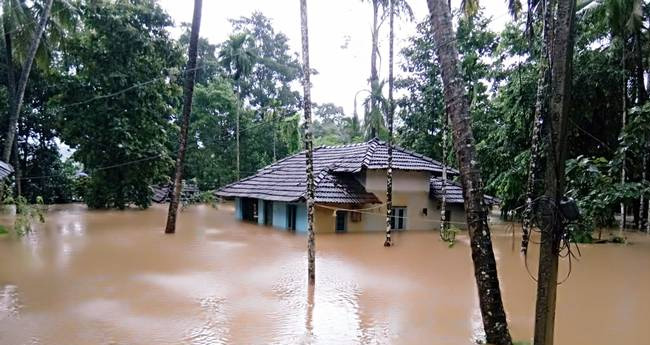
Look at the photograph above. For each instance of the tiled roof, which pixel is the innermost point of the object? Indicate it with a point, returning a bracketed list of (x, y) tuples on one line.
[(163, 192), (285, 179), (454, 192), (5, 170)]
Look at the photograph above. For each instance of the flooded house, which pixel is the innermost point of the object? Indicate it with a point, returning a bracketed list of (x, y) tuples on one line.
[(5, 170), (350, 191)]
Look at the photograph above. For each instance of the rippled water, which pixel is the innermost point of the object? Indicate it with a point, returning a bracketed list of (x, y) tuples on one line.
[(111, 277)]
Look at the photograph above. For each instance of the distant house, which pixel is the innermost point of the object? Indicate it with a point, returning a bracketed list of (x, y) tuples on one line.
[(163, 192), (350, 191), (5, 170)]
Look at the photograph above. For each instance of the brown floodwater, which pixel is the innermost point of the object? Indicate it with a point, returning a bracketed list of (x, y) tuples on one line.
[(113, 277)]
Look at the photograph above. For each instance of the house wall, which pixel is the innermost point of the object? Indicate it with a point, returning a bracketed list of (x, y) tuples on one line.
[(261, 216), (410, 189), (325, 220), (280, 215), (238, 210)]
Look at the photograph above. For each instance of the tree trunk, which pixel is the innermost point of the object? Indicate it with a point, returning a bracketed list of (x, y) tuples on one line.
[(374, 74), (541, 113), (485, 268), (188, 91), (14, 110), (238, 175), (642, 97), (623, 124), (561, 62), (391, 112), (443, 204), (11, 77), (17, 168), (644, 165), (309, 154)]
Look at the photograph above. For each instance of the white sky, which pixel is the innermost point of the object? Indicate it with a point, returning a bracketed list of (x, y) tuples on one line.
[(342, 72)]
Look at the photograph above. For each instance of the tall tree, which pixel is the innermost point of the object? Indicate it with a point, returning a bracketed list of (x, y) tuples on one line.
[(375, 85), (309, 154), (188, 91), (17, 89), (238, 58), (456, 105), (391, 113), (116, 101), (402, 7)]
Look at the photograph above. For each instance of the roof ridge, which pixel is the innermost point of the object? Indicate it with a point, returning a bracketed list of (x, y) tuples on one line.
[(372, 145), (343, 145)]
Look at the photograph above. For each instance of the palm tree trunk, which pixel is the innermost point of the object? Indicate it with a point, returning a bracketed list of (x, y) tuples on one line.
[(188, 91), (14, 110), (623, 124), (374, 74), (644, 164), (309, 154), (485, 268), (642, 97), (11, 76), (237, 123), (541, 113), (561, 62), (391, 113), (17, 168), (444, 222)]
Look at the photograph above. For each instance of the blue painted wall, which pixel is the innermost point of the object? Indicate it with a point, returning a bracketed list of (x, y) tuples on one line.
[(301, 217), (238, 213), (279, 214), (260, 212)]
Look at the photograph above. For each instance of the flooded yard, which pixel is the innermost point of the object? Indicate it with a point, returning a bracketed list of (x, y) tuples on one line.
[(111, 277)]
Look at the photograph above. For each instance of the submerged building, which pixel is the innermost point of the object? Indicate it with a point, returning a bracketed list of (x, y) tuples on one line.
[(350, 191)]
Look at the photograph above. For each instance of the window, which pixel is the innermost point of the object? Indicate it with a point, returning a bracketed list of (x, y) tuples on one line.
[(398, 218), (341, 221), (291, 217)]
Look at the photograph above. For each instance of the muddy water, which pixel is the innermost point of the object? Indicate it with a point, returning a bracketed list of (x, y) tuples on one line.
[(110, 277)]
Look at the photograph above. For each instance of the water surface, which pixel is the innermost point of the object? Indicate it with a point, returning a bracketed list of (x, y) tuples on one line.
[(113, 277)]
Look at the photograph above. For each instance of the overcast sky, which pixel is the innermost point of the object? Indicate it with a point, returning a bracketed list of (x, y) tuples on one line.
[(333, 25)]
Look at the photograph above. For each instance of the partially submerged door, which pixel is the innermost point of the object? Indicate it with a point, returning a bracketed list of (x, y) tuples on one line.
[(292, 211), (268, 212), (341, 224), (249, 209)]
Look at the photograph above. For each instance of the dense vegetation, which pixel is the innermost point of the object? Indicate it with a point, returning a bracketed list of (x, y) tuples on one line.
[(107, 82)]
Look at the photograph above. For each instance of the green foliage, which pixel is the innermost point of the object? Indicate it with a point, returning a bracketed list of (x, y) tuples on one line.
[(27, 213), (333, 127), (595, 192), (211, 143), (123, 44)]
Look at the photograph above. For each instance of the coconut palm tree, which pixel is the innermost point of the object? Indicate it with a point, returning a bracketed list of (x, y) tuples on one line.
[(377, 20), (402, 7), (238, 58), (188, 91), (457, 108), (309, 154), (17, 87)]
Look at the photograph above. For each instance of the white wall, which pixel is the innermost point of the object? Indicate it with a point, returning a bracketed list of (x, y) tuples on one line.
[(410, 189)]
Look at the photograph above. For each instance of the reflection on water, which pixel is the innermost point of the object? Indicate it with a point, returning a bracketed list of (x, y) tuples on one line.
[(111, 277), (9, 305)]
